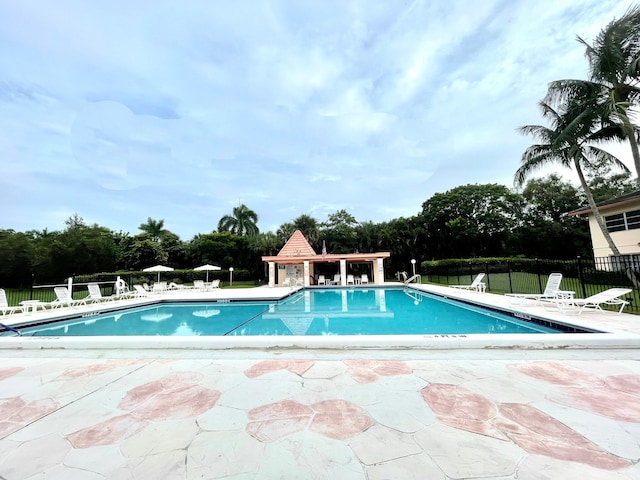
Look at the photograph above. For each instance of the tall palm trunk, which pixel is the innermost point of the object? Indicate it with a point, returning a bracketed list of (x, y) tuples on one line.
[(633, 142), (631, 275), (594, 209)]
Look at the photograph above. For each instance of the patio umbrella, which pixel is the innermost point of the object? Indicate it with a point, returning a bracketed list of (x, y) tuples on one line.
[(158, 268), (208, 268)]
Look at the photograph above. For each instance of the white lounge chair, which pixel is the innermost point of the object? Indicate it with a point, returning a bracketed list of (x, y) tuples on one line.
[(5, 308), (351, 280), (337, 279), (139, 291), (321, 280), (364, 279), (214, 284), (64, 298), (608, 297), (477, 285), (551, 290), (95, 294), (199, 285)]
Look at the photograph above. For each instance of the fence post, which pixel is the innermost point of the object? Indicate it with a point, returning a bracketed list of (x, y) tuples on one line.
[(33, 276), (539, 275), (486, 264), (509, 274), (581, 277)]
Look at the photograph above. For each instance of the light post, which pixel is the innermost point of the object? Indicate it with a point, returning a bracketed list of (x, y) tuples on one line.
[(413, 265), (230, 276)]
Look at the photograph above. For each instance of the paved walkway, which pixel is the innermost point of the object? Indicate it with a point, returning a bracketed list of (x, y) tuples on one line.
[(525, 415), (305, 414)]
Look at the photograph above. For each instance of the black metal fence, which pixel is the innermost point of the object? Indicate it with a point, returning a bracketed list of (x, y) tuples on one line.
[(585, 277)]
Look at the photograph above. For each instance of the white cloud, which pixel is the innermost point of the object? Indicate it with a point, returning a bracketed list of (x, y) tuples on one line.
[(119, 111)]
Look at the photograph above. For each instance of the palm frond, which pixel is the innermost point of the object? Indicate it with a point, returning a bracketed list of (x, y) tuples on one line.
[(537, 131), (598, 155), (608, 133), (534, 158)]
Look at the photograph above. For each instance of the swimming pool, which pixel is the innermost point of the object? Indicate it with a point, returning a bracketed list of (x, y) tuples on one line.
[(318, 312)]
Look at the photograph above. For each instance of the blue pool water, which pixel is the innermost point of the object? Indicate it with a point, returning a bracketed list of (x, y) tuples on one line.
[(312, 312)]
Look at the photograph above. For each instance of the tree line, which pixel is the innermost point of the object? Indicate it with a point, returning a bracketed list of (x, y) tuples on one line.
[(466, 221)]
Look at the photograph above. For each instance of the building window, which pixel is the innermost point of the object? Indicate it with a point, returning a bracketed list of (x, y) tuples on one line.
[(623, 221), (633, 219)]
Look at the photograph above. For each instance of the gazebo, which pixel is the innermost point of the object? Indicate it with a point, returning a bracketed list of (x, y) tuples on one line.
[(298, 262)]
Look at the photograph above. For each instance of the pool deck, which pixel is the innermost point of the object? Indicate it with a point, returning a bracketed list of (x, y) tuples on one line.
[(452, 408)]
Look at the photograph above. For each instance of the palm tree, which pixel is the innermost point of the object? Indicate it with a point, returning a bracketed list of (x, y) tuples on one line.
[(266, 243), (242, 221), (309, 228), (614, 73), (154, 228), (285, 231), (567, 142)]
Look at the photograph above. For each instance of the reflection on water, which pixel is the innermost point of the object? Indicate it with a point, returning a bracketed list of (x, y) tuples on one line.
[(156, 317), (206, 313), (185, 330)]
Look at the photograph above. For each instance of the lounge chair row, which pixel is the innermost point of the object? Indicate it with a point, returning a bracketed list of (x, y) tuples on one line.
[(64, 298), (561, 299), (564, 299), (337, 279)]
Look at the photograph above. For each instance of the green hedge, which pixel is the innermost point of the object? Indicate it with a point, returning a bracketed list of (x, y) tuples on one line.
[(449, 262)]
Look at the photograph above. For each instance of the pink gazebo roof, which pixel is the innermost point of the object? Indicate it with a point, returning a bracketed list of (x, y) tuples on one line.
[(297, 250)]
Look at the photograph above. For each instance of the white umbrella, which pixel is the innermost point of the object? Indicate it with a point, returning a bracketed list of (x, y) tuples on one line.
[(158, 268), (207, 267)]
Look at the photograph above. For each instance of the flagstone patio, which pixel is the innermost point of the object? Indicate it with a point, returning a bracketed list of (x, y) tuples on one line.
[(359, 415)]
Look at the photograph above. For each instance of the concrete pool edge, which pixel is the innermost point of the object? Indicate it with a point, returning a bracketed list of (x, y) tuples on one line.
[(368, 342)]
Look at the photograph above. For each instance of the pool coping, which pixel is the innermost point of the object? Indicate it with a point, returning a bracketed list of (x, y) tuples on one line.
[(613, 336)]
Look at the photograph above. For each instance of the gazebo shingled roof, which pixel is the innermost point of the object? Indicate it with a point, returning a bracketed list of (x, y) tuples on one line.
[(297, 246), (297, 250)]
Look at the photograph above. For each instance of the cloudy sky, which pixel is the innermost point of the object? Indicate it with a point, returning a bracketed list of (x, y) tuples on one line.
[(121, 110)]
